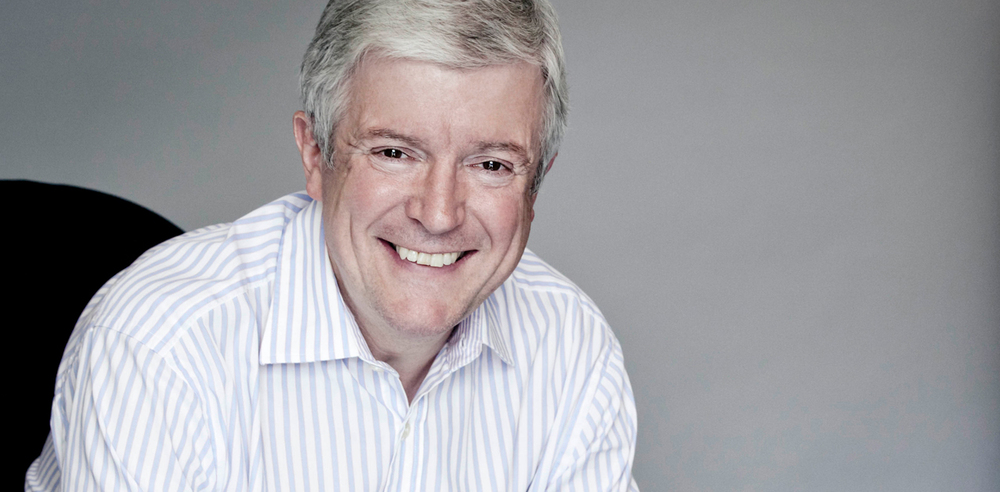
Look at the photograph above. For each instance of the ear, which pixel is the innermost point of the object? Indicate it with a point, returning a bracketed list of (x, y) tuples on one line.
[(531, 201), (312, 157), (548, 167)]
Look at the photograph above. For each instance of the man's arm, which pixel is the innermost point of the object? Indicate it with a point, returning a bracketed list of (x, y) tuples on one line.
[(124, 419), (604, 445), (591, 443)]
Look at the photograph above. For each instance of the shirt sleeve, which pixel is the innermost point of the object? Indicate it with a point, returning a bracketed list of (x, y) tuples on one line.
[(601, 446), (123, 418)]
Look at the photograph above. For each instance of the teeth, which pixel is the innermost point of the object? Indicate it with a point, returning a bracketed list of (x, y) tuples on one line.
[(428, 259)]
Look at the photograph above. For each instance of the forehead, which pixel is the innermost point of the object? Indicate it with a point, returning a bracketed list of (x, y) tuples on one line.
[(501, 103)]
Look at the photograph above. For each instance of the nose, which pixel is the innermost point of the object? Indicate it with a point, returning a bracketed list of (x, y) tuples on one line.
[(438, 199)]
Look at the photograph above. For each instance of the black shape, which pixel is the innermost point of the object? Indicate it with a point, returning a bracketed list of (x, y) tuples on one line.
[(61, 243)]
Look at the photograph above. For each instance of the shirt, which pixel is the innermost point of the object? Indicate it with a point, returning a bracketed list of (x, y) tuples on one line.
[(225, 359)]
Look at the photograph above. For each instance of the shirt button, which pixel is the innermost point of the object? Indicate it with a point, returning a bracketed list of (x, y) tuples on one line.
[(406, 430)]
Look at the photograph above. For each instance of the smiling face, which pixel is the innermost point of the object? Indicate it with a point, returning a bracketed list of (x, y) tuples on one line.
[(427, 208)]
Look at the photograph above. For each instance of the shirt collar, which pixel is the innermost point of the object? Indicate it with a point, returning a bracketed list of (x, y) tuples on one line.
[(478, 329), (309, 322)]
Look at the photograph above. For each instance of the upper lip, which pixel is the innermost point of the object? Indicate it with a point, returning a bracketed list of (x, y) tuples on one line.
[(428, 250)]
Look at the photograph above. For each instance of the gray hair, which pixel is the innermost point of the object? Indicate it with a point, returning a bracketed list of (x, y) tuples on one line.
[(459, 34)]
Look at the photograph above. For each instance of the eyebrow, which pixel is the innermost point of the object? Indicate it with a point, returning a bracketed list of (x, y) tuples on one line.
[(391, 135)]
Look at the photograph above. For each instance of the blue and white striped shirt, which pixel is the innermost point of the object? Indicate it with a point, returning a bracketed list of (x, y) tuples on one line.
[(225, 359)]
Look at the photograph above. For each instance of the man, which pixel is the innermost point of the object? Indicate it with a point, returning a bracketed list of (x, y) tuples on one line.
[(386, 332)]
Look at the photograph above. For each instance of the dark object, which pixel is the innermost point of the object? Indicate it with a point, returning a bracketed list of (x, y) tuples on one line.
[(61, 244)]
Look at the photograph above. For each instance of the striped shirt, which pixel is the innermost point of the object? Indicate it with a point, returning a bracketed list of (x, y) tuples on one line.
[(225, 359)]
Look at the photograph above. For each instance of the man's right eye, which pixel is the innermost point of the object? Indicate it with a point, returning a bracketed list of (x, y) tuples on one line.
[(393, 153)]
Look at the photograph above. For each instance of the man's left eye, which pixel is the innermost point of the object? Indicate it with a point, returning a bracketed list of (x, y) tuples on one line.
[(393, 153), (492, 166)]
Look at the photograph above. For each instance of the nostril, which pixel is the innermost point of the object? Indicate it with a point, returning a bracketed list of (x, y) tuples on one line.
[(436, 213)]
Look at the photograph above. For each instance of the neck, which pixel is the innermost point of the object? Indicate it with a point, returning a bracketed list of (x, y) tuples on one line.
[(410, 353), (411, 356)]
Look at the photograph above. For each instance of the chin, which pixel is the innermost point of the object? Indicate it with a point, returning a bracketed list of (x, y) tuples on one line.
[(426, 322)]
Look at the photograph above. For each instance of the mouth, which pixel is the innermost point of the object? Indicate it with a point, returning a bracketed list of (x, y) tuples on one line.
[(436, 260)]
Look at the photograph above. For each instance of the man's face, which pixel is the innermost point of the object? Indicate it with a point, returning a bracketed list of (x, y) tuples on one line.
[(439, 162)]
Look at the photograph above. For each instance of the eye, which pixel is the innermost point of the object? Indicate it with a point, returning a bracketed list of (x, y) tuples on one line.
[(393, 153), (493, 166)]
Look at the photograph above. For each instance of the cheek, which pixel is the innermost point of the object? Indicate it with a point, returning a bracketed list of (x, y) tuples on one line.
[(365, 197), (507, 218), (346, 210), (374, 190)]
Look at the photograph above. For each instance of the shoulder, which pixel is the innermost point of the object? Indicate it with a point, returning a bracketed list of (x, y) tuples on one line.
[(538, 285), (536, 276), (546, 313), (157, 345), (175, 282)]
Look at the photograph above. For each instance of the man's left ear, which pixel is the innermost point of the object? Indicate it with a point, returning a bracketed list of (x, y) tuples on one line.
[(548, 167), (535, 195)]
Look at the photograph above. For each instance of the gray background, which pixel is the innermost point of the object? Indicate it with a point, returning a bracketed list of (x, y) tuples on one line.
[(789, 211)]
